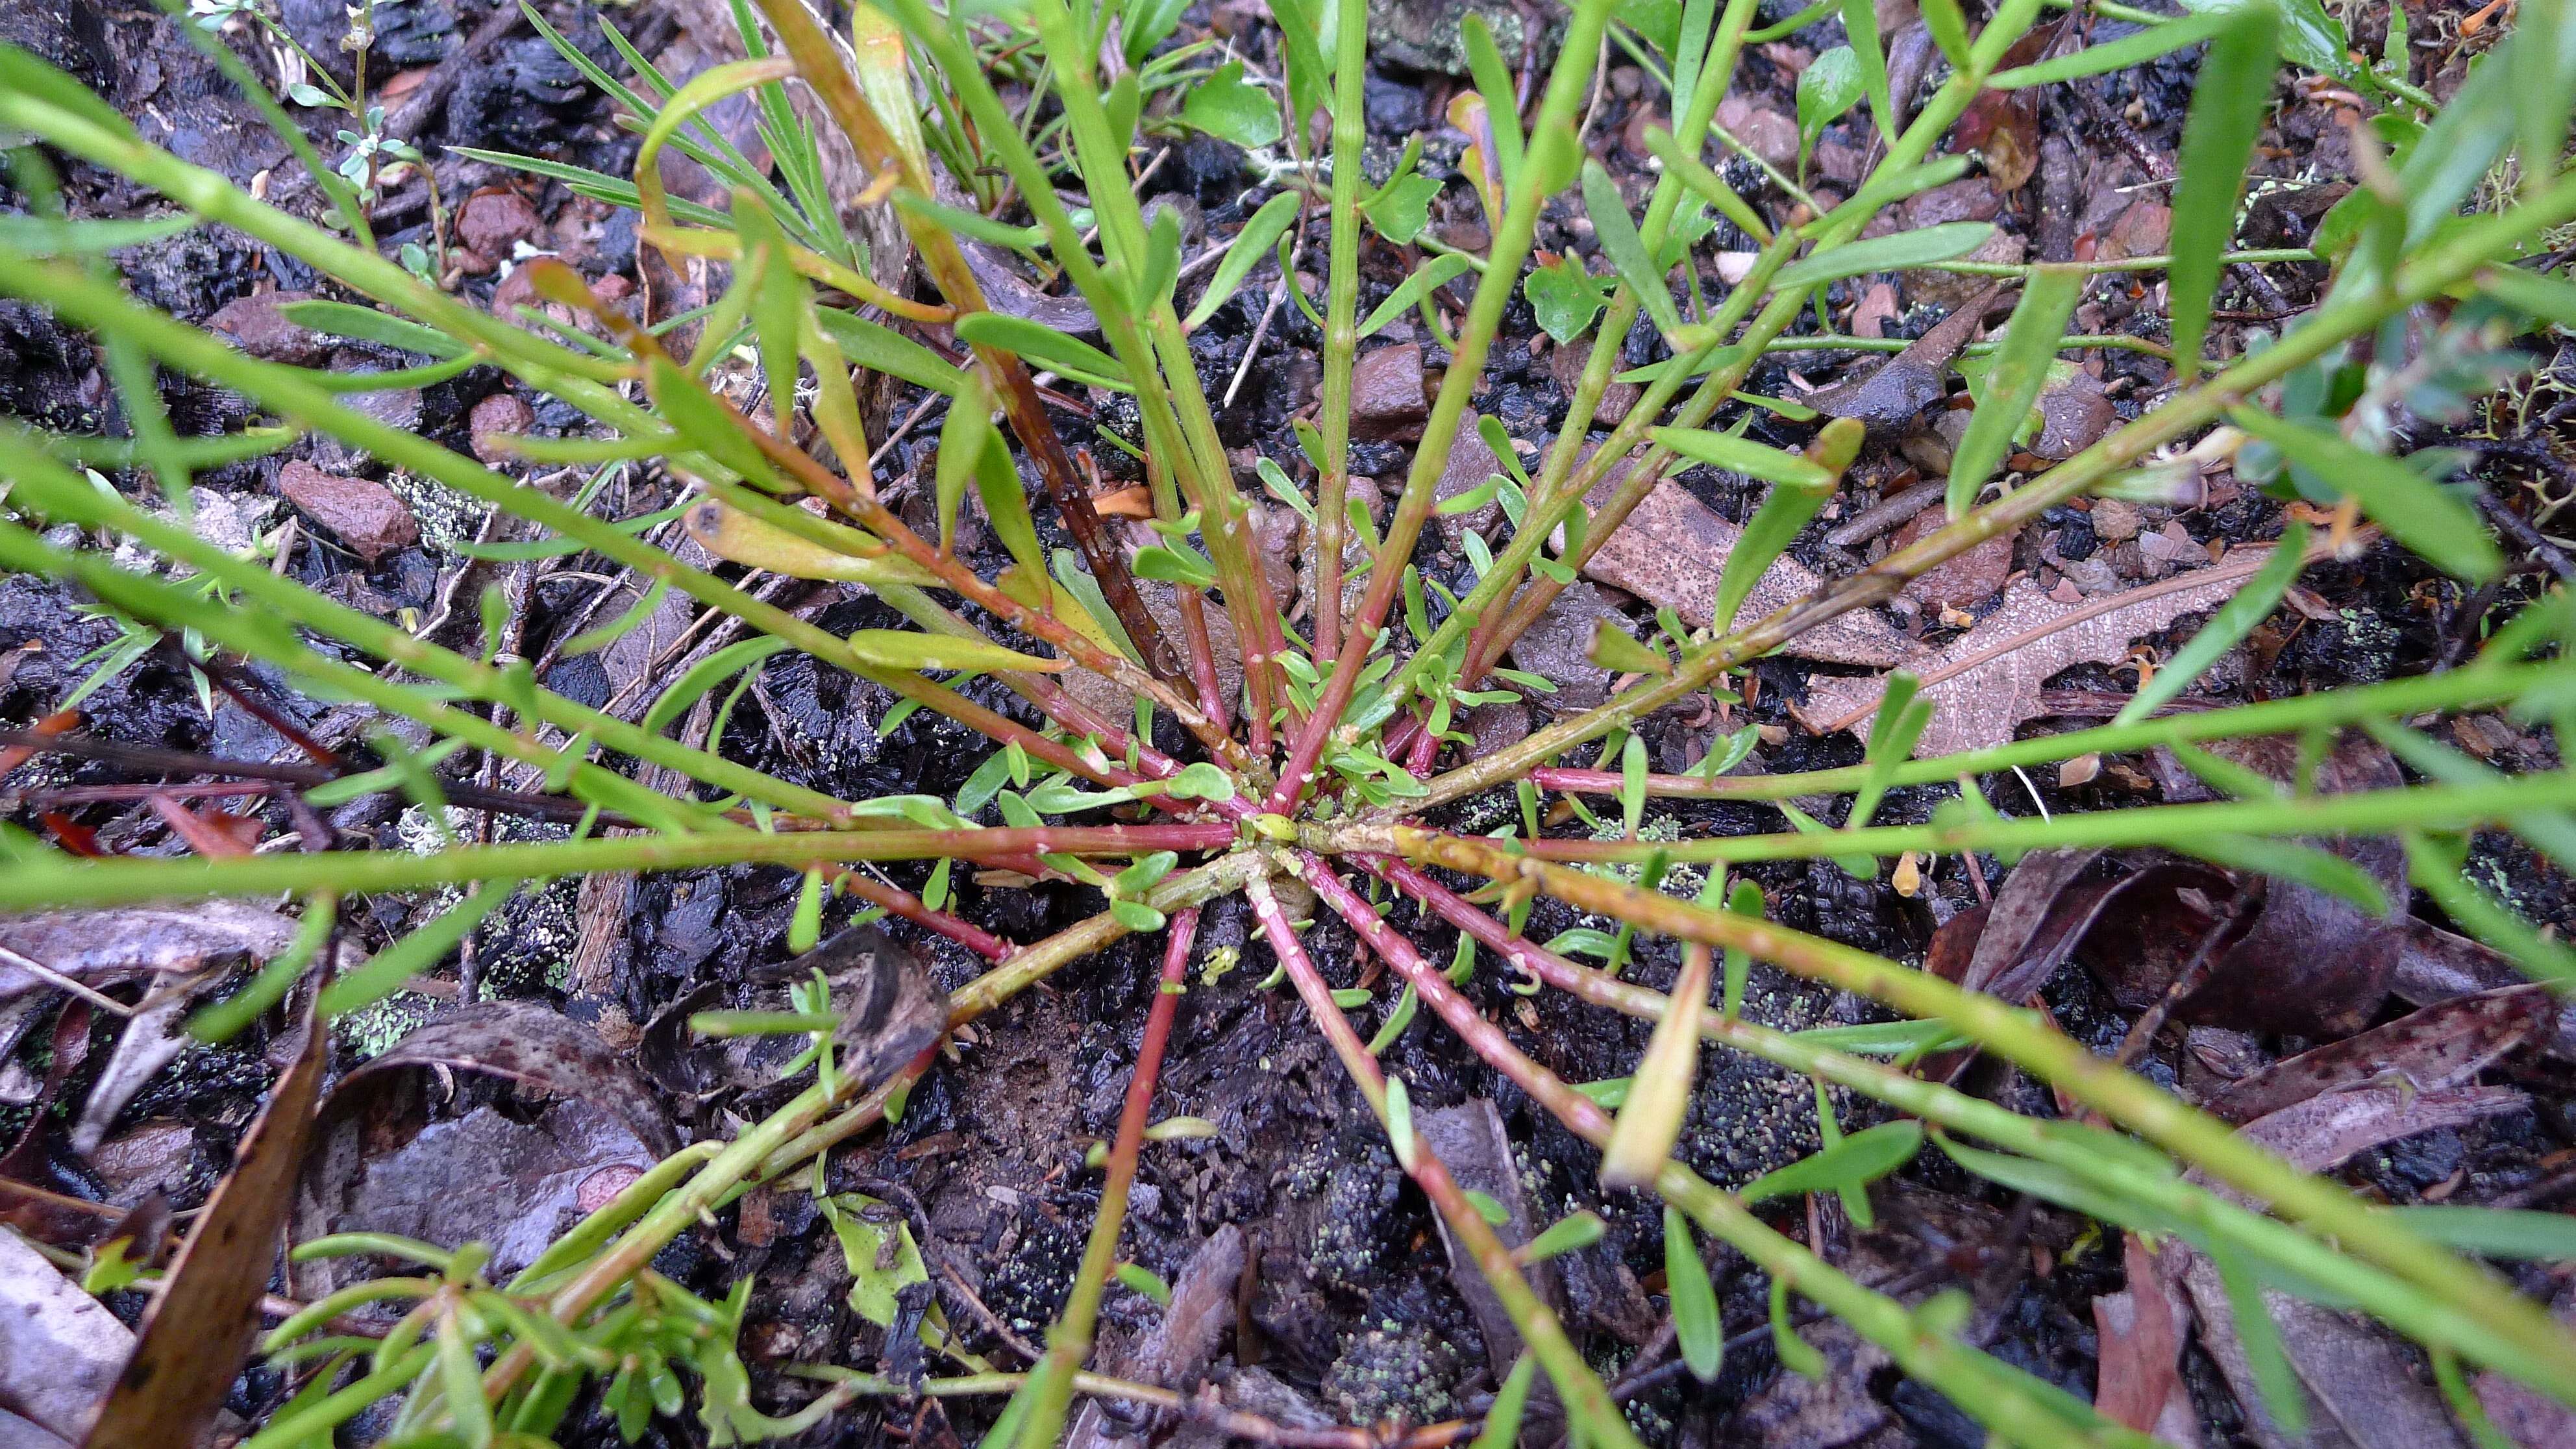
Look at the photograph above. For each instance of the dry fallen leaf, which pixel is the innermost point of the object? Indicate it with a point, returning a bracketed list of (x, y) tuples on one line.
[(2139, 1380), (199, 1327), (1672, 549), (1987, 680), (2439, 1046), (59, 1347)]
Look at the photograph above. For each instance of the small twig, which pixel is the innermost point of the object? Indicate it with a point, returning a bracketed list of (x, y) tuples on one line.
[(83, 990)]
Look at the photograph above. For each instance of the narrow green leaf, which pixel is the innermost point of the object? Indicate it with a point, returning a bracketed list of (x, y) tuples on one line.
[(1250, 245), (1503, 1421), (1632, 785), (880, 348), (1697, 1329), (963, 436), (2225, 630), (2260, 1338), (341, 319), (1494, 82), (1399, 1120), (413, 954), (2415, 510), (1949, 30), (1744, 900), (1143, 1280), (1565, 1235), (1049, 349), (908, 650), (2229, 97), (968, 223), (2020, 370), (1862, 1158), (2289, 860), (1740, 455), (2539, 1237), (1796, 1354), (2534, 294), (1434, 273), (1616, 232), (1621, 652), (1860, 22), (2120, 54), (1891, 253)]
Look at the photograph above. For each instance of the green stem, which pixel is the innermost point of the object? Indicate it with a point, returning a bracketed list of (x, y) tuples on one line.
[(2523, 1339), (1587, 1402), (1341, 325), (2371, 812), (52, 881), (2343, 316), (2479, 684), (1555, 145)]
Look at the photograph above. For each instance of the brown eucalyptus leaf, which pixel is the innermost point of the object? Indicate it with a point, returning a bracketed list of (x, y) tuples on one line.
[(2434, 965), (2439, 1046), (2361, 1390), (199, 1327), (2139, 1376), (1672, 550), (2310, 963), (102, 947), (1987, 681), (2322, 1133), (536, 1047)]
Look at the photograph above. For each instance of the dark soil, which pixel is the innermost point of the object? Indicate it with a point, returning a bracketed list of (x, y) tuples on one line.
[(1349, 1297)]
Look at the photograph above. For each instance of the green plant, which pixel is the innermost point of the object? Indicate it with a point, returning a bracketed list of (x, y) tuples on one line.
[(1326, 766)]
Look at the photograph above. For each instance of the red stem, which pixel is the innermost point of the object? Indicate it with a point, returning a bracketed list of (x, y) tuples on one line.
[(1194, 630), (912, 908), (1486, 1039)]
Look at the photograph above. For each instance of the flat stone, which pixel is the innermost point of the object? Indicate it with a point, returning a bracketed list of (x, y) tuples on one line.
[(502, 415), (1971, 578), (2073, 417), (1470, 464), (1557, 647), (1387, 399), (255, 326), (492, 223), (365, 515)]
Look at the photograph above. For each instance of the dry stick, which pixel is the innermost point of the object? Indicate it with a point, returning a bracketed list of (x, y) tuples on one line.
[(1937, 1359), (2448, 265), (820, 62), (184, 762), (1069, 1342), (1556, 140), (2544, 1348), (1586, 1400)]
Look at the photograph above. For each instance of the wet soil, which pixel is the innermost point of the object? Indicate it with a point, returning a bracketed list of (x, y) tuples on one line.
[(1348, 1297)]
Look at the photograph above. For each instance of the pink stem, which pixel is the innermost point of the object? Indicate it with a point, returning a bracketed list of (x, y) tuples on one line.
[(912, 908)]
